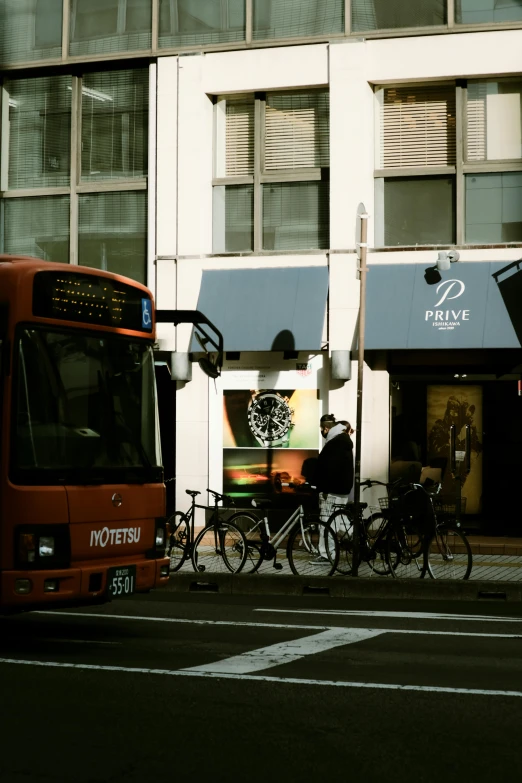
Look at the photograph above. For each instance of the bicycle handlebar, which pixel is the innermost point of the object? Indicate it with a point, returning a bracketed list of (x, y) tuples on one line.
[(218, 498)]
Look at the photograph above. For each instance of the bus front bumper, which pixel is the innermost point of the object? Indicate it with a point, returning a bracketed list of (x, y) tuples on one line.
[(75, 586)]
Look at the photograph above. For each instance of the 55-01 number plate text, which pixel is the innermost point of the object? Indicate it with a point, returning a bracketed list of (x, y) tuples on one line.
[(121, 581)]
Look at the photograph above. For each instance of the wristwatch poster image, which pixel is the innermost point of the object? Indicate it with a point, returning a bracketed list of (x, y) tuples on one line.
[(270, 418)]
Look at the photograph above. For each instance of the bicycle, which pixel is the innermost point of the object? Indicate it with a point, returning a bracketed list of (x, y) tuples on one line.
[(386, 546), (219, 546), (405, 539), (311, 549), (448, 551)]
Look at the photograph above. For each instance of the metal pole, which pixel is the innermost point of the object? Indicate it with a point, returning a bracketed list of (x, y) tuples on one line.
[(360, 372)]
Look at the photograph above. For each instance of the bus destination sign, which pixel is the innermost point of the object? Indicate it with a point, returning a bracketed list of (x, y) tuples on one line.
[(91, 299)]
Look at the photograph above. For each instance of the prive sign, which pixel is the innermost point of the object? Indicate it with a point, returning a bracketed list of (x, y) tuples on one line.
[(447, 319)]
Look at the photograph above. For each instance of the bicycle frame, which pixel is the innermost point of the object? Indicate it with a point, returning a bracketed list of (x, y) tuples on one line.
[(279, 537)]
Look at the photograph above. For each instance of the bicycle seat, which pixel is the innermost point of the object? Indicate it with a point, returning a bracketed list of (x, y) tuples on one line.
[(192, 492), (362, 506)]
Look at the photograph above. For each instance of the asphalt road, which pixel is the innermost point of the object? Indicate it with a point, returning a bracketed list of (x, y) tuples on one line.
[(223, 688)]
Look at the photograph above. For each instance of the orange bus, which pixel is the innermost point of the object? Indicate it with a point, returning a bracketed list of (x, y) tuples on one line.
[(82, 497)]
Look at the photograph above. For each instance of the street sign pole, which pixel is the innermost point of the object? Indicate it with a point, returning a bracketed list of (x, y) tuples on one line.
[(363, 247)]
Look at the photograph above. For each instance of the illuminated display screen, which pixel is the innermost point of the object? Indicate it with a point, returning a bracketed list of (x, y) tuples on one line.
[(90, 299)]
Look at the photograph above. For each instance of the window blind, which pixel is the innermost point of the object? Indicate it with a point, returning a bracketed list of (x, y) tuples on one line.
[(389, 14), (113, 232), (39, 131), (296, 131), (476, 121), (239, 138), (418, 127), (37, 227), (115, 124), (30, 30), (291, 18)]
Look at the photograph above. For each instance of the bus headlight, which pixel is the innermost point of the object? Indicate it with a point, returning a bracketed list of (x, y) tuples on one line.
[(46, 546), (160, 537)]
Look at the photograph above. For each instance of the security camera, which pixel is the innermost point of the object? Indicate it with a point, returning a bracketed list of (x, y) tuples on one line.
[(453, 256)]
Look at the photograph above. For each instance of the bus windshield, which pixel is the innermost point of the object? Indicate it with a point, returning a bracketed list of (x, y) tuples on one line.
[(84, 409)]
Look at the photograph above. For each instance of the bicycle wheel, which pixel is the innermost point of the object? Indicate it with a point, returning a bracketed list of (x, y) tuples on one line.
[(405, 551), (375, 530), (249, 523), (449, 554), (312, 549), (177, 544), (220, 548), (341, 527)]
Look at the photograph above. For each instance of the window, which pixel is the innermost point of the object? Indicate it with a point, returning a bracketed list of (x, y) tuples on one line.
[(114, 124), (113, 232), (435, 186), (102, 26), (271, 188), (476, 11), (37, 227), (61, 215), (39, 148), (189, 22), (30, 30), (297, 18), (417, 140), (389, 14)]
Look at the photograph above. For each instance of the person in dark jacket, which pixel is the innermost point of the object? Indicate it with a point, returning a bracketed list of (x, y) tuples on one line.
[(334, 474)]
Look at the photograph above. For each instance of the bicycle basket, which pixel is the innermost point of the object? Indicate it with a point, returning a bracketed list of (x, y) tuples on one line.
[(384, 503), (446, 509)]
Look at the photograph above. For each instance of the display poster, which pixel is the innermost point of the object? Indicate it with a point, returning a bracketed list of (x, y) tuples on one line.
[(270, 441), (458, 405)]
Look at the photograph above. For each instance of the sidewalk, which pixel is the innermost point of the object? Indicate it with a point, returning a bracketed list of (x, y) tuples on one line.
[(496, 574)]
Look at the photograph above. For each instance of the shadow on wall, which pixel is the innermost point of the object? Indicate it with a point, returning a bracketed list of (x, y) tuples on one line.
[(283, 341)]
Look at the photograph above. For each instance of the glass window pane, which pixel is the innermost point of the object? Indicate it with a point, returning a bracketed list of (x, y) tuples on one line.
[(189, 22), (102, 26), (297, 130), (113, 233), (419, 211), (30, 30), (115, 124), (494, 208), (37, 227), (494, 120), (295, 215), (297, 18), (233, 218), (39, 131), (388, 14), (476, 11)]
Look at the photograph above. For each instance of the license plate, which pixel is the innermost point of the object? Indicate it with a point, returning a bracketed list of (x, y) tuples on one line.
[(121, 581)]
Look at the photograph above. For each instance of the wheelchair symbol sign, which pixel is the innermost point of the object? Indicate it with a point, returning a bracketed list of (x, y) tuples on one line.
[(146, 314)]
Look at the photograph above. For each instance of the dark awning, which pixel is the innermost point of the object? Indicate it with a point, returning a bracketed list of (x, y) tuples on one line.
[(464, 310), (270, 309)]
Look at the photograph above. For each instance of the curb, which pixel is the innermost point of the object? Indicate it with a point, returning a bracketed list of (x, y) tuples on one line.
[(344, 587)]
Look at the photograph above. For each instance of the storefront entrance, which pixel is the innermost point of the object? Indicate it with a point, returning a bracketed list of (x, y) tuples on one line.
[(422, 411)]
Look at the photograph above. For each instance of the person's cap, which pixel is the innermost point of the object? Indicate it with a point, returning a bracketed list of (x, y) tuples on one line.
[(328, 417)]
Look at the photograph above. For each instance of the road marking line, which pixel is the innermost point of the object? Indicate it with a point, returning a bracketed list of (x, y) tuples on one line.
[(286, 652), (74, 641), (280, 626), (266, 678), (404, 615)]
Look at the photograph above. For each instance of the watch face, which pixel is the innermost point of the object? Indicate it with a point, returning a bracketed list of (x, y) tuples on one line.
[(269, 416)]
